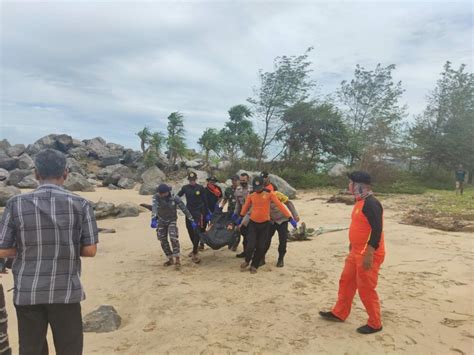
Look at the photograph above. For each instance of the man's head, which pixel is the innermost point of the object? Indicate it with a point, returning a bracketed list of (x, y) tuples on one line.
[(211, 180), (50, 167), (244, 179), (460, 166), (163, 190), (258, 184), (360, 178), (265, 176), (235, 181), (192, 178)]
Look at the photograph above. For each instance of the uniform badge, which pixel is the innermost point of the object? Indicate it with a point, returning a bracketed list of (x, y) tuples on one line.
[(198, 193)]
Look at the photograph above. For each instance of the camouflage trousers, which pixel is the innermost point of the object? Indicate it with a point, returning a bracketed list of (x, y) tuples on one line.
[(162, 232)]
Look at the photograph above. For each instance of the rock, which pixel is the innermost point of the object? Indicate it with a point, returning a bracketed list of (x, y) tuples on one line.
[(337, 170), (113, 173), (61, 142), (4, 145), (26, 162), (110, 160), (152, 177), (77, 182), (104, 210), (225, 164), (77, 143), (131, 158), (283, 186), (16, 150), (128, 210), (6, 193), (7, 162), (126, 183), (75, 167), (17, 175), (93, 181), (103, 320), (28, 182), (112, 187), (4, 174), (99, 149), (79, 153), (193, 164)]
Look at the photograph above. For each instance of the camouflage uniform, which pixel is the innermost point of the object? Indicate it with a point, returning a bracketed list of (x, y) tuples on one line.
[(165, 210)]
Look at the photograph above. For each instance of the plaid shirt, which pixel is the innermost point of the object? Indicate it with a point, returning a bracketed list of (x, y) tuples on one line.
[(48, 226)]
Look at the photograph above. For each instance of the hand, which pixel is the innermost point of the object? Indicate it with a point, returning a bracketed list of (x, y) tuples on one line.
[(293, 223), (154, 223), (368, 261), (239, 222), (194, 225), (297, 218)]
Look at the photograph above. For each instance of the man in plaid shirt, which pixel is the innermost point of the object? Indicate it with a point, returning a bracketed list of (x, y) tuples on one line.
[(47, 231)]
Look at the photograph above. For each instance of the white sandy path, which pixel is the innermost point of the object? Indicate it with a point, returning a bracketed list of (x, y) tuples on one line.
[(426, 287)]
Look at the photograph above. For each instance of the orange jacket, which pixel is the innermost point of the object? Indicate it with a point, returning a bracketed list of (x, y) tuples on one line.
[(260, 203), (360, 231)]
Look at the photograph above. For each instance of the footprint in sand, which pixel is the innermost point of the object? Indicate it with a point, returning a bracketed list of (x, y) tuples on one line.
[(149, 327), (305, 317), (452, 323)]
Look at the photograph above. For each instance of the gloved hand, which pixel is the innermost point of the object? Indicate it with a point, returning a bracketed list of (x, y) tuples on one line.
[(293, 223), (234, 217), (194, 225), (154, 223), (239, 221), (208, 217)]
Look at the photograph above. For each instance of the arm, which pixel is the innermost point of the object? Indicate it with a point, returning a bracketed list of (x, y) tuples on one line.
[(293, 210), (90, 234), (280, 205), (154, 206), (181, 192), (373, 211), (247, 204), (7, 233), (183, 208), (238, 207)]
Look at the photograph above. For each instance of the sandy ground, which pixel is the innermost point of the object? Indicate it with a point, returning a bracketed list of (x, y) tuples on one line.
[(426, 287)]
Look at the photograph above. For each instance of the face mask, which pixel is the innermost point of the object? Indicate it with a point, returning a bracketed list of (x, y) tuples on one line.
[(243, 184)]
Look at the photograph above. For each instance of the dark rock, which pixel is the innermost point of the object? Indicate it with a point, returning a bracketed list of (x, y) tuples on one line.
[(26, 162), (131, 158), (112, 187), (128, 210), (103, 320), (104, 210), (4, 145), (61, 142), (79, 153), (126, 183), (7, 192), (28, 182), (146, 205), (110, 160), (75, 167), (77, 182), (17, 175), (97, 148), (16, 150), (4, 174), (113, 173), (7, 162)]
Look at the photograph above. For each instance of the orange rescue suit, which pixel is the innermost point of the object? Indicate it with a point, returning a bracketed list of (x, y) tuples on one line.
[(260, 203)]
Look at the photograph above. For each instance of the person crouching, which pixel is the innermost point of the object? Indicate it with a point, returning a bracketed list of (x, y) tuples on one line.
[(164, 218)]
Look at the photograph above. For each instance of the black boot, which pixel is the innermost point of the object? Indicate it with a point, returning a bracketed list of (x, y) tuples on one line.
[(280, 262), (241, 255), (367, 329)]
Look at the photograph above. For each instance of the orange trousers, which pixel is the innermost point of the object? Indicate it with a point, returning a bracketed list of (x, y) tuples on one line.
[(355, 278)]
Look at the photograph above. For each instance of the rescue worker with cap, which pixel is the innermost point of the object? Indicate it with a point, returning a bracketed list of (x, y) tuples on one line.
[(266, 180), (196, 203), (241, 194), (230, 200), (213, 196), (259, 202), (366, 254), (164, 218)]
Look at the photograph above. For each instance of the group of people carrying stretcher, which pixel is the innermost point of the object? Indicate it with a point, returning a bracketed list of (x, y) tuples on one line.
[(256, 212)]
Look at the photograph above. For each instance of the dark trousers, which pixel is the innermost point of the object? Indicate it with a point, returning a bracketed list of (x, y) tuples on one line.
[(256, 242), (243, 231), (4, 345), (65, 321), (194, 235), (282, 230)]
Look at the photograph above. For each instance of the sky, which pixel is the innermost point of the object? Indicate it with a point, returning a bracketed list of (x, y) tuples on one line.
[(108, 69)]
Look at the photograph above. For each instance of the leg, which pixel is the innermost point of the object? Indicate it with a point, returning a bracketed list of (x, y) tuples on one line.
[(262, 237), (4, 344), (347, 288), (174, 237), (244, 231), (271, 232), (162, 233), (251, 241), (66, 324), (366, 284), (193, 235), (32, 328), (283, 239), (461, 187)]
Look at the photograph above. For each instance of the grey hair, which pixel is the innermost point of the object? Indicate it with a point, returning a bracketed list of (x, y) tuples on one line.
[(50, 163)]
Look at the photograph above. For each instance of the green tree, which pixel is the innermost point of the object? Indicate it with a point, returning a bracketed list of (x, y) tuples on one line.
[(315, 133), (287, 84), (210, 141), (372, 111), (176, 137), (444, 133), (144, 135)]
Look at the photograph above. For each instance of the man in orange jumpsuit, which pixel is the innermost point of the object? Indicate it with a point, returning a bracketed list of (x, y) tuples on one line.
[(259, 224), (367, 252)]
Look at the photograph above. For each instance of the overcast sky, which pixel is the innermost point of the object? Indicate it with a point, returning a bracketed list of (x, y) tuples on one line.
[(108, 69)]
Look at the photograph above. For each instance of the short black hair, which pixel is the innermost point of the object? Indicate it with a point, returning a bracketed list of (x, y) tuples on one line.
[(245, 174), (50, 164), (264, 174)]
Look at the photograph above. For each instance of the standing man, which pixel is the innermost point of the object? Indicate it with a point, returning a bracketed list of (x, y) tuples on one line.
[(266, 180), (164, 217), (259, 223), (47, 231), (279, 223), (241, 194), (213, 196), (196, 204), (229, 195), (460, 176), (366, 254)]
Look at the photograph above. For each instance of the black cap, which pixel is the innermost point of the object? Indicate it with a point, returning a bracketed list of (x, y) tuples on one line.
[(360, 177), (212, 178), (235, 177), (258, 184), (264, 174), (163, 188), (192, 175)]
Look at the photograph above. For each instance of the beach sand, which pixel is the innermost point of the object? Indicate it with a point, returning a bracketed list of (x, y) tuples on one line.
[(425, 285)]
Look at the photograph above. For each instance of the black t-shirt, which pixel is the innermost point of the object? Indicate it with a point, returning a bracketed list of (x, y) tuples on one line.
[(373, 210), (195, 198), (212, 199)]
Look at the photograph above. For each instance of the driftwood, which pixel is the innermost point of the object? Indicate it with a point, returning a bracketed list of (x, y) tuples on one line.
[(106, 230), (304, 233)]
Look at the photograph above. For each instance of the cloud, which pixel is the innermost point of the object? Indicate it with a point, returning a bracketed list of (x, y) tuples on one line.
[(108, 69)]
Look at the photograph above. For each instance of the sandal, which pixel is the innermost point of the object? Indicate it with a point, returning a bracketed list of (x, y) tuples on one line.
[(168, 263)]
